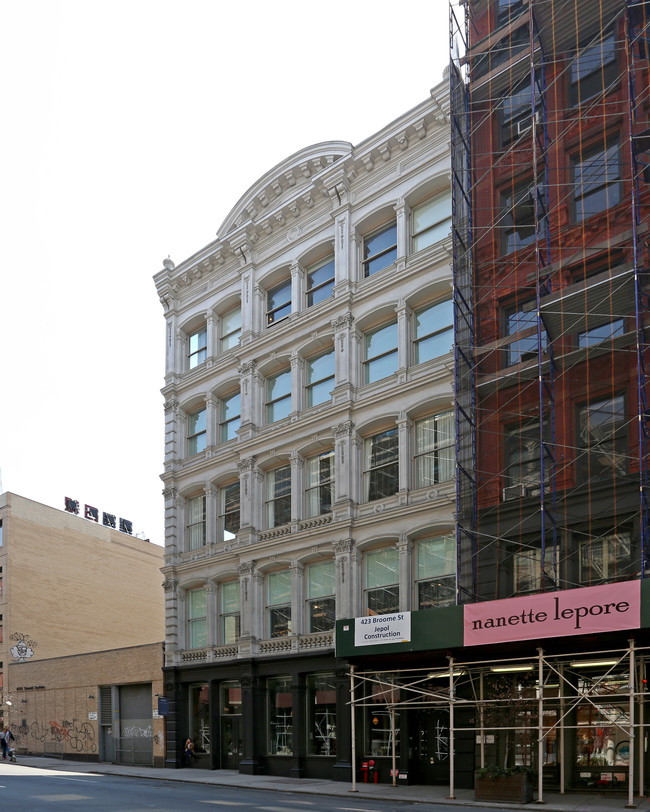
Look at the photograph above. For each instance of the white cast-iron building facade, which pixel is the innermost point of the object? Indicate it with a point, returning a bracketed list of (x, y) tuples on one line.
[(309, 447)]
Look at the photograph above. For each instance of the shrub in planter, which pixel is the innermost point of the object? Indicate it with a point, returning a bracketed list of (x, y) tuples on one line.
[(504, 784)]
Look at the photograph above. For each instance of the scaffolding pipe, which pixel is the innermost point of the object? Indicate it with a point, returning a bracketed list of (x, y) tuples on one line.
[(481, 716), (562, 739), (641, 728), (451, 795), (540, 726), (630, 789), (353, 732), (392, 735)]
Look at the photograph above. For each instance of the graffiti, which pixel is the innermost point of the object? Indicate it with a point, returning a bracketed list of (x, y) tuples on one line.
[(38, 731), (157, 739), (24, 648), (19, 733), (59, 731), (83, 738), (78, 737), (134, 732)]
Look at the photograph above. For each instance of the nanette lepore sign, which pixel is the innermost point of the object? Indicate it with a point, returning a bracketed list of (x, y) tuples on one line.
[(592, 610)]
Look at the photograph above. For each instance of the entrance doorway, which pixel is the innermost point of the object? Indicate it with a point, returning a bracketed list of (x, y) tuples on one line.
[(231, 725), (430, 746)]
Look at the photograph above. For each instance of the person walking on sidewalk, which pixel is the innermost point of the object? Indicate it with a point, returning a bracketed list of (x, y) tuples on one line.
[(6, 737)]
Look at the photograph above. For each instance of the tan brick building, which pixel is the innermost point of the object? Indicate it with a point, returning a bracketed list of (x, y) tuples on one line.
[(69, 587), (100, 705)]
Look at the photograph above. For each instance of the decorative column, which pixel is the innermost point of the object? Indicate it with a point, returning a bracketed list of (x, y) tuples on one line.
[(259, 309), (180, 352), (342, 253), (297, 287), (346, 445), (173, 544), (405, 548), (172, 445), (250, 495), (249, 396), (254, 724), (404, 466), (247, 322), (297, 593), (344, 357), (211, 515), (172, 642), (246, 596), (403, 343), (210, 337), (298, 726), (181, 606), (211, 420), (297, 487), (211, 614), (402, 229), (297, 384), (342, 770), (344, 578)]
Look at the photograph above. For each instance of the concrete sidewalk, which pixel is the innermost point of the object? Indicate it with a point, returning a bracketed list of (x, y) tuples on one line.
[(553, 801)]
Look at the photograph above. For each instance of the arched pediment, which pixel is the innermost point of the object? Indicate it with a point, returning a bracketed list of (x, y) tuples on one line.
[(283, 185)]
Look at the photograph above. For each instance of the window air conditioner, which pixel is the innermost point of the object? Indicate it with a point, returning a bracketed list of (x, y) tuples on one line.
[(524, 125), (516, 491)]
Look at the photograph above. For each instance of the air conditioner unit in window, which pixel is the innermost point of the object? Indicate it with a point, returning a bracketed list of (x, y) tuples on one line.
[(524, 125), (516, 491)]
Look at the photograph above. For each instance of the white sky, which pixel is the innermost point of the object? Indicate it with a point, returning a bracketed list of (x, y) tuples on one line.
[(130, 129)]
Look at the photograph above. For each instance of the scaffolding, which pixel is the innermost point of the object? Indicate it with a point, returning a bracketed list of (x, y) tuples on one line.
[(550, 124), (528, 705)]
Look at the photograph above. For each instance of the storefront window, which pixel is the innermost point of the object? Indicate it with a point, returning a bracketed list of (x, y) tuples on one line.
[(321, 714), (231, 708), (379, 740), (280, 716), (602, 738), (199, 717)]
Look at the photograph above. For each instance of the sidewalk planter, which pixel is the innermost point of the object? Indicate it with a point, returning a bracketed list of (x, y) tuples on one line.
[(503, 785)]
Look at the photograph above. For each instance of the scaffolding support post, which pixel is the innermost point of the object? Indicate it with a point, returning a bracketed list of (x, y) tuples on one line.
[(562, 740), (630, 790), (451, 795), (392, 735), (353, 732), (540, 726)]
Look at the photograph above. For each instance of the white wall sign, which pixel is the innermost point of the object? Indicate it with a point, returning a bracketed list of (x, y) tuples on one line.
[(92, 716), (378, 629)]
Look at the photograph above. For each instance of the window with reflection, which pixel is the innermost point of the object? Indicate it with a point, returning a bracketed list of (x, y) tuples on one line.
[(382, 581), (602, 439), (434, 331), (229, 515), (381, 465), (320, 378), (607, 558), (435, 572), (380, 353), (230, 407), (278, 396), (380, 249), (596, 181), (195, 513), (278, 496), (198, 347), (320, 281), (319, 492), (229, 609), (196, 432), (431, 221), (278, 603), (435, 451), (230, 329), (278, 302), (197, 618), (321, 605), (593, 69)]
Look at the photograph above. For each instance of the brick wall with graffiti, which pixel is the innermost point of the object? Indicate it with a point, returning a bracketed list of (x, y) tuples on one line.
[(56, 705)]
